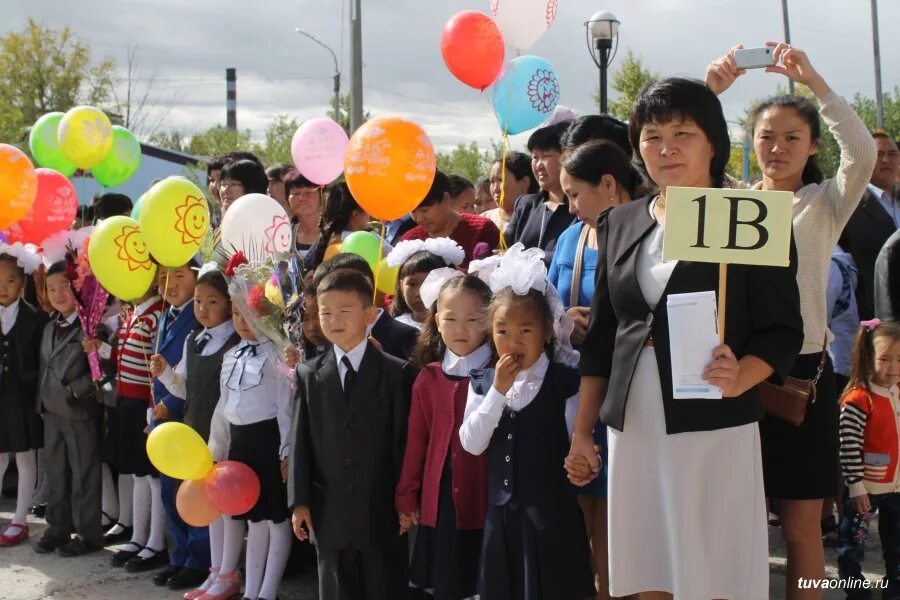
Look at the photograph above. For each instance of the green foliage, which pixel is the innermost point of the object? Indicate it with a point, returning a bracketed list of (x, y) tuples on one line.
[(344, 107), (865, 108), (628, 81), (277, 145), (470, 161)]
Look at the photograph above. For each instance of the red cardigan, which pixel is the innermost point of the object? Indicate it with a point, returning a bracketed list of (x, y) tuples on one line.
[(438, 406), (468, 233)]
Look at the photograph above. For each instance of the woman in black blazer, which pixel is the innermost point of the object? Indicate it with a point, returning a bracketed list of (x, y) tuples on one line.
[(686, 500)]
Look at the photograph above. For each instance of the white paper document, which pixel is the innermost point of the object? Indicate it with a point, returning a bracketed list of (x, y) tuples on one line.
[(692, 338)]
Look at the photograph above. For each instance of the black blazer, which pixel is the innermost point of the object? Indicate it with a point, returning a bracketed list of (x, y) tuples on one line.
[(864, 235), (346, 457), (529, 218), (396, 338), (887, 280), (29, 329), (762, 319)]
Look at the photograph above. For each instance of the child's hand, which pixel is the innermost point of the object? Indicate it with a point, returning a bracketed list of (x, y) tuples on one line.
[(407, 521), (160, 412), (299, 519), (577, 467), (583, 450), (158, 365), (861, 504), (90, 345), (507, 368), (284, 470), (291, 357)]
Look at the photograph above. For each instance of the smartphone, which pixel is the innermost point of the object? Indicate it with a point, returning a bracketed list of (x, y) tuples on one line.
[(754, 58)]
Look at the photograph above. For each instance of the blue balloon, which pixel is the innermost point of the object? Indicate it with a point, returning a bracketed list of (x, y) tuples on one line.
[(525, 94), (3, 239)]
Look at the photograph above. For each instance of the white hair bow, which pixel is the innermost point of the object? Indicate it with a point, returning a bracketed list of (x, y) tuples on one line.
[(521, 270), (431, 287), (27, 257), (448, 250)]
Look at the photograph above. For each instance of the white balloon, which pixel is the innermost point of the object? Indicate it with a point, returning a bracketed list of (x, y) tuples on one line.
[(522, 22), (257, 225)]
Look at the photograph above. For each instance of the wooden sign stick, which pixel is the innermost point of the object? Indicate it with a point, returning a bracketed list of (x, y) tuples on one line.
[(723, 290)]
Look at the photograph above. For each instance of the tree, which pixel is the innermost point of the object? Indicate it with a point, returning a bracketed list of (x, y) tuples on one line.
[(344, 107), (470, 161), (631, 78), (865, 108), (141, 103), (277, 145), (44, 70), (218, 140)]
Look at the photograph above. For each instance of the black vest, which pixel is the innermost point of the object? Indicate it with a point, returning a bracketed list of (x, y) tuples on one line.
[(203, 384), (527, 450)]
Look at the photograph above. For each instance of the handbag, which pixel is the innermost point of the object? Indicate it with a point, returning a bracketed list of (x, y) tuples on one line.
[(578, 266), (789, 401)]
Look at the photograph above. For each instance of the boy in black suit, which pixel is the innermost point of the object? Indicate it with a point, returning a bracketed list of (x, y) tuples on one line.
[(348, 440)]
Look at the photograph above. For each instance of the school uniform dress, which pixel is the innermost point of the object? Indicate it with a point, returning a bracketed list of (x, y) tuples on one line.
[(67, 401), (21, 328), (251, 423), (534, 545), (348, 441), (444, 482)]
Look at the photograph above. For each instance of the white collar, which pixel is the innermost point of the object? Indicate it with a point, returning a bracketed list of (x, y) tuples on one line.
[(11, 309), (141, 308), (222, 330), (355, 354), (181, 308), (887, 392), (459, 366), (879, 193), (534, 373), (70, 319)]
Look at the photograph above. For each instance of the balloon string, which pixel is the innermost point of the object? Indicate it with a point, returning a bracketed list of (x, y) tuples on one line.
[(378, 264), (165, 293), (504, 145)]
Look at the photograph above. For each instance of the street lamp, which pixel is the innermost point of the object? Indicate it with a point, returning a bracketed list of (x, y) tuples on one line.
[(602, 28), (337, 72)]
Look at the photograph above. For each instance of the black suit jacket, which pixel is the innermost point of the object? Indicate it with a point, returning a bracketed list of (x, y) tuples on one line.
[(346, 456), (887, 280), (28, 330), (762, 319), (863, 237), (396, 338), (529, 218)]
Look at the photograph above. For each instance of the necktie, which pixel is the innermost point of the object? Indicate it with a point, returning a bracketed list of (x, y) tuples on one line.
[(60, 328), (248, 348), (203, 341), (349, 376), (174, 312)]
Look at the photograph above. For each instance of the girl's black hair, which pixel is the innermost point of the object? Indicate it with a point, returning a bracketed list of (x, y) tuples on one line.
[(519, 164), (677, 98), (863, 357), (458, 184), (597, 127), (339, 207), (420, 262), (217, 281), (591, 161), (430, 347), (250, 174), (534, 300), (548, 138), (15, 262), (809, 113)]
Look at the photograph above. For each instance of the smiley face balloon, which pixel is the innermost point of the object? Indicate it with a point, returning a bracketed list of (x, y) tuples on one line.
[(174, 219), (258, 226), (120, 258)]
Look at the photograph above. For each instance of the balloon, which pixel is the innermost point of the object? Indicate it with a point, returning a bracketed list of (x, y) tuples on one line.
[(120, 259), (332, 250), (193, 504), (121, 162), (386, 277), (525, 95), (44, 144), (177, 450), (472, 47), (257, 225), (54, 209), (174, 219), (85, 136), (389, 166), (318, 149), (365, 244), (523, 21), (232, 487), (3, 238), (18, 185), (136, 209)]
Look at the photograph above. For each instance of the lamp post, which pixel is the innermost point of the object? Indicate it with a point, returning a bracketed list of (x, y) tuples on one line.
[(602, 28), (337, 72)]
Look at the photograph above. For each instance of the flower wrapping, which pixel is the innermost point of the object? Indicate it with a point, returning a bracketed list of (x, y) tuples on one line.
[(249, 292)]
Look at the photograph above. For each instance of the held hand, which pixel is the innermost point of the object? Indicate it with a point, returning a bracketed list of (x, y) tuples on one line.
[(291, 357), (299, 519), (284, 470), (90, 345), (505, 373), (158, 365), (580, 316), (408, 520), (722, 72), (795, 65), (723, 371), (583, 462), (862, 504), (160, 412)]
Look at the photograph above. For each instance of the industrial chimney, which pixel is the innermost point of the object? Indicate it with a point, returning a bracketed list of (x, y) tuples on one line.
[(231, 98)]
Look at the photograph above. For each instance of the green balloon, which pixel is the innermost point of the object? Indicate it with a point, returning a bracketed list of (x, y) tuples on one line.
[(121, 162), (365, 244), (44, 144), (136, 209)]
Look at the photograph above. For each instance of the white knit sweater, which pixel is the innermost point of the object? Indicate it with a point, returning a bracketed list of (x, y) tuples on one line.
[(822, 210)]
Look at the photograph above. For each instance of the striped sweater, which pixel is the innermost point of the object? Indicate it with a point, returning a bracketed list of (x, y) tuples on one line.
[(133, 350), (870, 436)]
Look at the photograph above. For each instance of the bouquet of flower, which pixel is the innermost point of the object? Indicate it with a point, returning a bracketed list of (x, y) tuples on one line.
[(254, 290)]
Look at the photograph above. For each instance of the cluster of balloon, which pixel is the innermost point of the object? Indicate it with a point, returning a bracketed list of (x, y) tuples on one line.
[(318, 149), (208, 490), (257, 225)]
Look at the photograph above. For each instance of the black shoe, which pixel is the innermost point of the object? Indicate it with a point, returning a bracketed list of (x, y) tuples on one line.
[(47, 544), (39, 510), (120, 558), (137, 564), (77, 547), (163, 577), (117, 538), (187, 579)]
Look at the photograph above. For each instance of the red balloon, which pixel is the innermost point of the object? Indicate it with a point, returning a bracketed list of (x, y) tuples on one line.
[(472, 47), (232, 487), (54, 209)]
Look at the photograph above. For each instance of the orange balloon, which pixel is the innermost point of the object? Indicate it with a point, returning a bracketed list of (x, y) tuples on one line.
[(389, 166), (193, 504), (18, 185), (332, 250)]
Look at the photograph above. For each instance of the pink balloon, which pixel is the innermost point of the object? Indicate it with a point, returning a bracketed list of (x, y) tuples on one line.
[(54, 209), (318, 149), (232, 487)]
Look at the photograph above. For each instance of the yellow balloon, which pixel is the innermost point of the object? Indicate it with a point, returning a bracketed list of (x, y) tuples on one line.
[(178, 451), (174, 219), (85, 136), (332, 250), (120, 259), (386, 277)]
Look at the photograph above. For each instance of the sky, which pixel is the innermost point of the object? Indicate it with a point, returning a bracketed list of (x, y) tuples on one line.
[(188, 45)]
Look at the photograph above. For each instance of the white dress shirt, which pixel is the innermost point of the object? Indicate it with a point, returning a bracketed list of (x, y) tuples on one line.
[(8, 316), (483, 412), (252, 390), (355, 355), (175, 379), (407, 319), (889, 204), (459, 366)]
